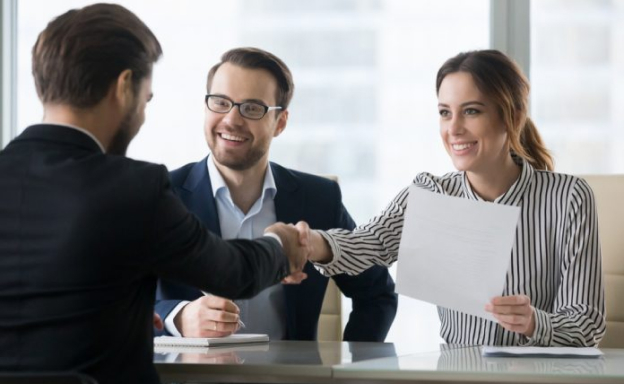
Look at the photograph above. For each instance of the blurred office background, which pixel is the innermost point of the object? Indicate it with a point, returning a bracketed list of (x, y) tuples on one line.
[(364, 107)]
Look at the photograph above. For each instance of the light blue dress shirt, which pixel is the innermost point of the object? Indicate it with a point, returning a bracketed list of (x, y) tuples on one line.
[(264, 313)]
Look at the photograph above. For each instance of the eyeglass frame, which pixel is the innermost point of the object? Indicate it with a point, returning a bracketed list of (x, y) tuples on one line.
[(234, 104)]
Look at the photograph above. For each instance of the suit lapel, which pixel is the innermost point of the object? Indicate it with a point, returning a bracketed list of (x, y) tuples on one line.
[(289, 197), (200, 199)]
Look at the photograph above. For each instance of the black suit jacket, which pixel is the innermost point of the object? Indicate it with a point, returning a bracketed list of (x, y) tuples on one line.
[(300, 196), (83, 237)]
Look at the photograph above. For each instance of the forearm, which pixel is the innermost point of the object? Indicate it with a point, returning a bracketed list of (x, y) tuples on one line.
[(374, 243), (584, 329), (354, 252)]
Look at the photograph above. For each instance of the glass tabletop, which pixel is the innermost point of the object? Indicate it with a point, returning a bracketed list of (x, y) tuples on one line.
[(467, 364)]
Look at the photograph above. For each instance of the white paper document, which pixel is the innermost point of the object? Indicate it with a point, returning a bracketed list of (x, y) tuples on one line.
[(540, 352), (455, 252), (242, 338)]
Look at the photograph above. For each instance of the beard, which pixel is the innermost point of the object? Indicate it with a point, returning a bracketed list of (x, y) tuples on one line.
[(125, 133), (251, 158)]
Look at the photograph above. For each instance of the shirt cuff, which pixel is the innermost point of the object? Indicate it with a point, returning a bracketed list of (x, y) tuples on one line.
[(275, 236), (169, 323), (333, 267), (543, 333)]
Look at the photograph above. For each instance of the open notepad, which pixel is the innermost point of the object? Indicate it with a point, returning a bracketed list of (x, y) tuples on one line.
[(172, 341)]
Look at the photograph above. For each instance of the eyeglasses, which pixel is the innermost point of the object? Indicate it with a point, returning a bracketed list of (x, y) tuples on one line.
[(248, 109)]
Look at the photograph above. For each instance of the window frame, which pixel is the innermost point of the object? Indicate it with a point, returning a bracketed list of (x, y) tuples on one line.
[(8, 70)]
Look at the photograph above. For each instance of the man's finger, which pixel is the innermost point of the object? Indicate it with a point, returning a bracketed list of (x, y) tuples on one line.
[(295, 278), (158, 323), (304, 232), (216, 302)]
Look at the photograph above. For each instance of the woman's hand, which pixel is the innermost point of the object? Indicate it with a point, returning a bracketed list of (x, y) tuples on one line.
[(514, 313)]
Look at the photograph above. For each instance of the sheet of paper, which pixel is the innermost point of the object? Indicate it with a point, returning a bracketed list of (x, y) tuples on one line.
[(541, 351), (455, 252)]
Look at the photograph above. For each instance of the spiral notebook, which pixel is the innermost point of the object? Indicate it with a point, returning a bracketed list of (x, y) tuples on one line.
[(244, 338)]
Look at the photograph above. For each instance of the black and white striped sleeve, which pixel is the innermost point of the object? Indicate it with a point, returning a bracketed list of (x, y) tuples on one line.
[(374, 243)]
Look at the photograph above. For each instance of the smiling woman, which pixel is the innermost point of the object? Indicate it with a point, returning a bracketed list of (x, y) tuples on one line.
[(554, 292)]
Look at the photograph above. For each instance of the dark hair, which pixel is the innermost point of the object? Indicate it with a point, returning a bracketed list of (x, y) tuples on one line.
[(82, 52), (500, 79), (255, 58)]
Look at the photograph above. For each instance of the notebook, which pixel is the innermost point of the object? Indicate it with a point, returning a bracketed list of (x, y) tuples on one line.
[(210, 351), (243, 338)]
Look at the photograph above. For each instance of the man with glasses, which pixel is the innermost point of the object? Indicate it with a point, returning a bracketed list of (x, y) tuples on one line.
[(237, 193)]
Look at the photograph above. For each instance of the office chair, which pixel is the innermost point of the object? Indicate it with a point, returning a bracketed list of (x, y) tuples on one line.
[(330, 321), (608, 191), (45, 378)]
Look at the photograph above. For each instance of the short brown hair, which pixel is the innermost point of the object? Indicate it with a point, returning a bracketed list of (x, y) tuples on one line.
[(502, 80), (82, 52), (255, 58)]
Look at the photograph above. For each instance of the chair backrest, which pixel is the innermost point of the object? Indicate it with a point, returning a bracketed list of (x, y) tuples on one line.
[(330, 321), (608, 191), (45, 378)]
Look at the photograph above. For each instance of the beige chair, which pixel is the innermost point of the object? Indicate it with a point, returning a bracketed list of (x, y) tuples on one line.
[(609, 191), (330, 321)]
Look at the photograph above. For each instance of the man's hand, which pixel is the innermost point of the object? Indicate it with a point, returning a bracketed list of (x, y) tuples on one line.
[(514, 313), (158, 323), (208, 316), (295, 243)]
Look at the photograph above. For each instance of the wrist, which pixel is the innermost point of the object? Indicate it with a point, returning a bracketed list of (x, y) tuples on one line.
[(321, 251), (172, 325)]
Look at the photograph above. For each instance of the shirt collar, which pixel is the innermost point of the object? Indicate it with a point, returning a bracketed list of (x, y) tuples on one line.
[(218, 183), (513, 196), (80, 130)]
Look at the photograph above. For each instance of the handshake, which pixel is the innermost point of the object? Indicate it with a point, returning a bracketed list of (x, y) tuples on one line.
[(213, 316), (300, 245)]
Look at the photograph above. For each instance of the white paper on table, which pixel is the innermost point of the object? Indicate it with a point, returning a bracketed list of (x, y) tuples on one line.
[(541, 351), (455, 252)]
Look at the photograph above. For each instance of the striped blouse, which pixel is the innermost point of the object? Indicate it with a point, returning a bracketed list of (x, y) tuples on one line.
[(555, 258)]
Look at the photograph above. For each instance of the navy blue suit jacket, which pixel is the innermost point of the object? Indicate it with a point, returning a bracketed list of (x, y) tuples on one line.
[(318, 201)]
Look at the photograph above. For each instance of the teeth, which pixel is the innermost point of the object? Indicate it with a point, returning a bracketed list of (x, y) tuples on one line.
[(461, 147), (232, 137)]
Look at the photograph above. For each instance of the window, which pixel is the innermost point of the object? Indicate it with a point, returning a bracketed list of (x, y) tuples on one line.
[(577, 72), (364, 107)]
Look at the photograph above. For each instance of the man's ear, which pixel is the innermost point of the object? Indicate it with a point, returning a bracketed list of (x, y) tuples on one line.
[(282, 120), (123, 88)]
